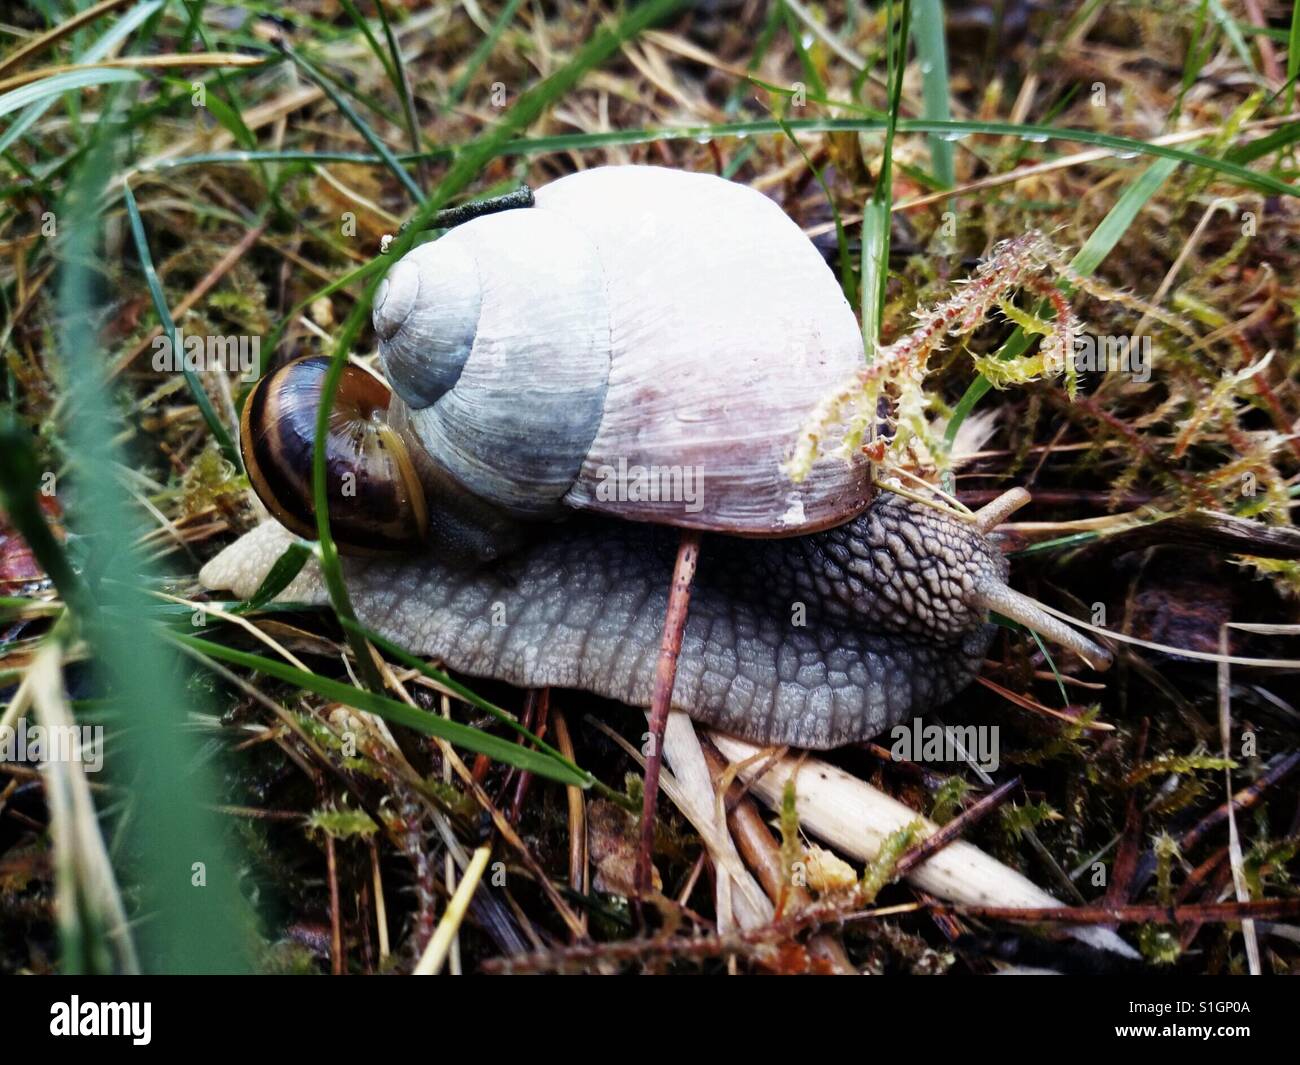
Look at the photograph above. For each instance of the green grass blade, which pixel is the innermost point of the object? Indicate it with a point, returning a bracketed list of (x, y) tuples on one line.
[(159, 298), (577, 142), (170, 849), (58, 84), (480, 54), (399, 713), (1233, 32), (402, 81), (358, 123), (385, 60), (1121, 216), (877, 214), (281, 575), (1293, 51), (932, 51), (111, 39)]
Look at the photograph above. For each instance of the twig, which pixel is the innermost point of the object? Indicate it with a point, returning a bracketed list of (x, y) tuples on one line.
[(1145, 913), (1242, 800), (954, 829), (756, 844), (381, 910), (679, 601), (1126, 858)]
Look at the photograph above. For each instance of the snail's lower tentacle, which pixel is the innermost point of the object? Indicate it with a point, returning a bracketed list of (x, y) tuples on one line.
[(1007, 601)]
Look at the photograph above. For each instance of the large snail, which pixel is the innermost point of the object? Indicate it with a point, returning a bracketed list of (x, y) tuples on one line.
[(637, 351)]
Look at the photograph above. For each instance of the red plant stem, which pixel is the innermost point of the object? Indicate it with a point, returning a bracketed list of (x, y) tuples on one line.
[(336, 927), (679, 601), (1126, 858), (539, 700)]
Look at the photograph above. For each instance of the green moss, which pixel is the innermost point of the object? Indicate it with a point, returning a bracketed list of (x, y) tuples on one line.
[(341, 823)]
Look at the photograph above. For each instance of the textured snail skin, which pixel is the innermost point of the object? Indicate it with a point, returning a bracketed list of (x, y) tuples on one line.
[(889, 629)]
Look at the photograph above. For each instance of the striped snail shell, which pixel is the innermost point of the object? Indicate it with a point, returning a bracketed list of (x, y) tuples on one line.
[(376, 500)]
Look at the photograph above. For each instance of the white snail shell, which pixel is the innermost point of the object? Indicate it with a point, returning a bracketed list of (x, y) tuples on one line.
[(635, 317)]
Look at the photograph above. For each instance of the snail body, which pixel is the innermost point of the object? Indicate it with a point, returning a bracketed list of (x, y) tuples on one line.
[(635, 319), (814, 641)]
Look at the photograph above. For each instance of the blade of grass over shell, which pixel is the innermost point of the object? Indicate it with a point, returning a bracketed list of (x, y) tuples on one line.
[(469, 162), (159, 298), (553, 767)]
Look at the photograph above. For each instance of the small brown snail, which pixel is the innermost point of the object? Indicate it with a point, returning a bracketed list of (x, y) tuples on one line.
[(639, 350)]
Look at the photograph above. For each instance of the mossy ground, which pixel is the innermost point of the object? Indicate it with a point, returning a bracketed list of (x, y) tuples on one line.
[(1121, 776)]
